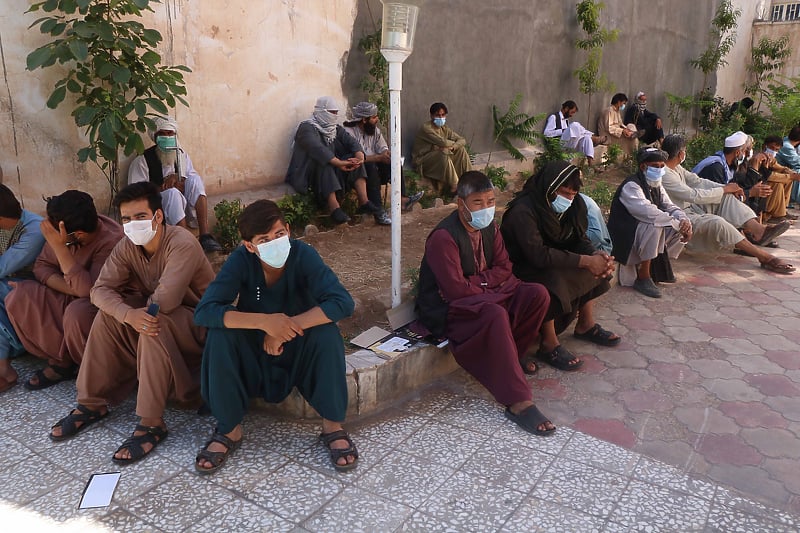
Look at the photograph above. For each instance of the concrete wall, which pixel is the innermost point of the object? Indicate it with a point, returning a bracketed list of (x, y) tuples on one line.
[(257, 68), (731, 78), (472, 54), (776, 30)]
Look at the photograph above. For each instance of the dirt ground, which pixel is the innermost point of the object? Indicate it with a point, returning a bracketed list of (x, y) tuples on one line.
[(361, 255)]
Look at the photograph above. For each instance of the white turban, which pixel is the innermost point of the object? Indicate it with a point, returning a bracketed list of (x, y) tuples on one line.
[(737, 139), (164, 124), (365, 110)]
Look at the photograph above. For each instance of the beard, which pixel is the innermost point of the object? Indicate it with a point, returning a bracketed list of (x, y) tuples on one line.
[(167, 158), (369, 129)]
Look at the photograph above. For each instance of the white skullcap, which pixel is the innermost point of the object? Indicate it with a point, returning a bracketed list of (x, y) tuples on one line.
[(164, 124), (326, 103), (640, 93), (737, 139), (365, 110)]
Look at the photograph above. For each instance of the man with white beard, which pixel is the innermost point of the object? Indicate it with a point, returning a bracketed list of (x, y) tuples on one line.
[(183, 192)]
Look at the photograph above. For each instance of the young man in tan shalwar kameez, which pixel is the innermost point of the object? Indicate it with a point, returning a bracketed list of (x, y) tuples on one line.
[(155, 264)]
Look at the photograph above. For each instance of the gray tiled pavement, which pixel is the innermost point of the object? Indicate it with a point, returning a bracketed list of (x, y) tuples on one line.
[(691, 424)]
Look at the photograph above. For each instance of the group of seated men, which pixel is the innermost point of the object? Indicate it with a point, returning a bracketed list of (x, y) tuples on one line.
[(137, 308)]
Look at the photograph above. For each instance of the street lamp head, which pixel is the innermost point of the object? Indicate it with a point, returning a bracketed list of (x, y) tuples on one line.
[(399, 26)]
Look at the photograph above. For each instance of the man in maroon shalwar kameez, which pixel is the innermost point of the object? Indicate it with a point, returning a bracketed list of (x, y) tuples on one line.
[(468, 294)]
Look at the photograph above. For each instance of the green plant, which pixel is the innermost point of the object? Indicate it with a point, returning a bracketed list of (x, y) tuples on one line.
[(227, 228), (721, 38), (600, 192), (497, 175), (612, 156), (413, 281), (590, 81), (784, 104), (298, 209), (376, 83), (513, 124), (766, 58), (553, 151), (677, 108), (413, 185), (114, 73)]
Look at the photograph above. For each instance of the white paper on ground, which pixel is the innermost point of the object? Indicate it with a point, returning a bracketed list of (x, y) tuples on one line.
[(99, 490)]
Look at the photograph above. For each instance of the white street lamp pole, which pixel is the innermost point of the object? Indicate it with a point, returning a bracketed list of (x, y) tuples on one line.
[(397, 42)]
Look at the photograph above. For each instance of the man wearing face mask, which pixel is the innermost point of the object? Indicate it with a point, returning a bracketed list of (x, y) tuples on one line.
[(611, 126), (646, 121), (789, 156), (439, 153), (716, 213), (168, 166), (721, 166), (644, 222), (271, 314), (144, 333), (777, 176), (52, 315), (468, 294)]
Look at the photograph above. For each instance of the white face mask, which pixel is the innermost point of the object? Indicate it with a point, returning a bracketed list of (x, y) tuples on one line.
[(275, 252), (140, 232)]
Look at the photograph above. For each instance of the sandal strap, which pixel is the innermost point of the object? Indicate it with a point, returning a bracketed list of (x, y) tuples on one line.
[(65, 372), (217, 458), (559, 354), (222, 439), (337, 453), (67, 424), (134, 444)]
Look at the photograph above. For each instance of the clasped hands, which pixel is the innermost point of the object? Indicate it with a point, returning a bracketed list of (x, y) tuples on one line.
[(600, 264), (279, 329)]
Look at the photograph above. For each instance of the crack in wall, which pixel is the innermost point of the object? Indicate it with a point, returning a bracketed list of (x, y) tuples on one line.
[(13, 120)]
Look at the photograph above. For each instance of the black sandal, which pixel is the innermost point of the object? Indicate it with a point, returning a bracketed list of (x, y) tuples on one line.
[(217, 459), (560, 358), (154, 435), (530, 419), (67, 424), (598, 335), (336, 454), (526, 361), (64, 373)]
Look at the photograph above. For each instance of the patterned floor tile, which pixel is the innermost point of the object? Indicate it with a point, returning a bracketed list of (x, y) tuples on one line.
[(643, 504), (600, 454), (663, 475), (240, 515), (581, 487), (294, 492), (246, 467), (724, 519), (508, 465), (727, 498), (538, 516), (472, 503), (430, 402), (444, 444), (60, 504), (391, 431), (374, 513), (13, 451), (420, 522), (24, 482), (179, 502), (405, 478), (120, 520), (143, 476)]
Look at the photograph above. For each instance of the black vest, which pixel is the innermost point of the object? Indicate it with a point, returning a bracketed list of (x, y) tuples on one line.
[(621, 224), (431, 307)]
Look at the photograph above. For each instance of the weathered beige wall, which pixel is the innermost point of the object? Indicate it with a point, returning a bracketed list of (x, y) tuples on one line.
[(776, 30), (731, 78), (257, 68)]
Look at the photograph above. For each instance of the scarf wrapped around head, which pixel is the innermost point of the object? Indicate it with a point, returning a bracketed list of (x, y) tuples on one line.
[(555, 229), (323, 119), (165, 123), (364, 110)]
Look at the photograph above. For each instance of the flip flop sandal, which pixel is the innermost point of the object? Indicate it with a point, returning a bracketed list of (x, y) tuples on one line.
[(778, 266), (64, 374), (526, 362), (336, 454), (154, 435), (560, 358), (67, 424), (530, 419), (598, 335), (771, 233), (217, 459)]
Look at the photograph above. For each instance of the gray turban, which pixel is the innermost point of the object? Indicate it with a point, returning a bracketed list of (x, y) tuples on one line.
[(365, 110), (164, 124), (326, 103)]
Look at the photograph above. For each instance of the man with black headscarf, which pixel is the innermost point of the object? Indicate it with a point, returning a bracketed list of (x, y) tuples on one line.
[(644, 222)]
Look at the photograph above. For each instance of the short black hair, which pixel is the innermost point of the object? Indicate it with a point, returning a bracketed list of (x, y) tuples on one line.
[(138, 191), (673, 144), (619, 97), (9, 205), (569, 104), (258, 218), (471, 182), (773, 139), (794, 133), (75, 208), (437, 106)]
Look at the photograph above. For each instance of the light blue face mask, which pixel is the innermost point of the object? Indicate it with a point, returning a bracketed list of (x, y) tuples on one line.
[(439, 121), (167, 142), (654, 175), (561, 204), (622, 107), (275, 252), (482, 218), (770, 152)]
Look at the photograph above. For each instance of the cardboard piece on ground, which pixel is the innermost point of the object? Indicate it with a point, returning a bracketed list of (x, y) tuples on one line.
[(401, 315), (370, 337), (99, 490)]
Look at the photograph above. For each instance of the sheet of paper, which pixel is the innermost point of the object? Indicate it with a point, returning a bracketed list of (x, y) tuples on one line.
[(370, 337), (394, 344), (99, 490)]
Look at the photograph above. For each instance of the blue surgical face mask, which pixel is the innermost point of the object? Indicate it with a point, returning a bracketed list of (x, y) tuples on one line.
[(482, 218), (622, 107), (275, 252), (560, 204), (770, 152), (439, 121), (167, 142)]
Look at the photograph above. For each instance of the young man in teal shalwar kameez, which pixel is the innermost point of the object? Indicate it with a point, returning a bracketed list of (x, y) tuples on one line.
[(281, 334)]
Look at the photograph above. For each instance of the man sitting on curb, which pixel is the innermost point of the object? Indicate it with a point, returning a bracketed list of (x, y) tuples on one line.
[(716, 212), (644, 222), (468, 294), (571, 133), (183, 193)]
